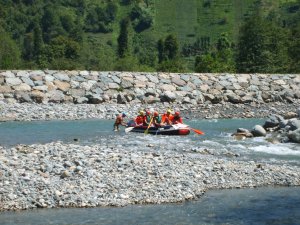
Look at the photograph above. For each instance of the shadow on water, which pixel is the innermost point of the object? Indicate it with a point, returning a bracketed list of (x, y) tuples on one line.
[(243, 206)]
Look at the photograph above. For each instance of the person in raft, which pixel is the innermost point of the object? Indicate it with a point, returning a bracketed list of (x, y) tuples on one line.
[(119, 121), (147, 118), (177, 118), (139, 120), (156, 119), (167, 117)]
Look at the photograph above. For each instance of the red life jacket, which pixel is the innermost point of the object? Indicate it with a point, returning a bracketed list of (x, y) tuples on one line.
[(177, 120), (139, 120)]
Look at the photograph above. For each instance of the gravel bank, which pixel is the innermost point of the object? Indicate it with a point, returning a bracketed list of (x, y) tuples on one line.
[(51, 111), (69, 175)]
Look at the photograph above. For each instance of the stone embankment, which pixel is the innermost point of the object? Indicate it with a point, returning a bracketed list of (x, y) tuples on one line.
[(137, 87), (69, 175)]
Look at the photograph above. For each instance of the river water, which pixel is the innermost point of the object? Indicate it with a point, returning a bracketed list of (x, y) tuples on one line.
[(247, 206)]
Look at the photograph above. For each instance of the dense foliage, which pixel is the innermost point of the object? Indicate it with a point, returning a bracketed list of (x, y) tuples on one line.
[(134, 35)]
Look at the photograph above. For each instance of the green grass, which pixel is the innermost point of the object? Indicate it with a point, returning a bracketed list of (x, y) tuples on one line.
[(190, 19), (177, 17)]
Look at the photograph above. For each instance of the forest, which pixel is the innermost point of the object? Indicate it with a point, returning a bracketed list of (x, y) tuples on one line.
[(211, 36)]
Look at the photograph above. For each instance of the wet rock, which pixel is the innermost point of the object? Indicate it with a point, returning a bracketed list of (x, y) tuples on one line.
[(294, 124), (258, 131), (294, 136), (273, 121)]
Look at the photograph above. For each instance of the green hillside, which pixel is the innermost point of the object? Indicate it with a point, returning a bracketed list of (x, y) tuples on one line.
[(84, 34)]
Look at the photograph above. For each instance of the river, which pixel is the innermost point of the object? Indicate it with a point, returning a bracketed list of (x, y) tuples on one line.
[(248, 206)]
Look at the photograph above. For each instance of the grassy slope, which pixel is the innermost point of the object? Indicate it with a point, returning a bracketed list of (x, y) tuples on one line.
[(191, 20)]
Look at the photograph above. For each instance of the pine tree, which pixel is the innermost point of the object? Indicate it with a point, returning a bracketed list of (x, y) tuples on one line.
[(161, 52), (123, 38), (262, 47), (37, 40), (171, 47)]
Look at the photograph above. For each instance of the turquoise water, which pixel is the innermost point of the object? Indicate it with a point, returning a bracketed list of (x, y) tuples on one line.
[(245, 206), (217, 138)]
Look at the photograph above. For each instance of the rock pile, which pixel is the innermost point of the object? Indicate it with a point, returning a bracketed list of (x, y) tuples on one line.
[(133, 87), (283, 129)]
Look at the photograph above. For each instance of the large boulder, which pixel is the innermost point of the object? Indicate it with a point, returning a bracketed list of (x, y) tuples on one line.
[(168, 96), (294, 136), (23, 97), (13, 81), (63, 86), (37, 96), (150, 99), (95, 99), (61, 76), (56, 96), (242, 133), (294, 124), (258, 131), (178, 81), (273, 121), (80, 100), (121, 99), (233, 98)]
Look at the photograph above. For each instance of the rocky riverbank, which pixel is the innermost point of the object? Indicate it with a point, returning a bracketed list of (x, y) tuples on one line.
[(51, 111), (69, 175)]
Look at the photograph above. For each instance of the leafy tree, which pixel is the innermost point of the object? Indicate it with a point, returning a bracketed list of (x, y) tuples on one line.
[(168, 54), (168, 49), (294, 41), (28, 47), (205, 64), (145, 49), (67, 22), (173, 66), (9, 52), (99, 19), (199, 47), (51, 24), (171, 47), (141, 18), (262, 47), (111, 12), (76, 33), (127, 63), (219, 59)]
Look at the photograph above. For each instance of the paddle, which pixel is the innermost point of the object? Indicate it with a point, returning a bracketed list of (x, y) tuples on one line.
[(128, 129), (187, 126), (197, 131), (146, 131)]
